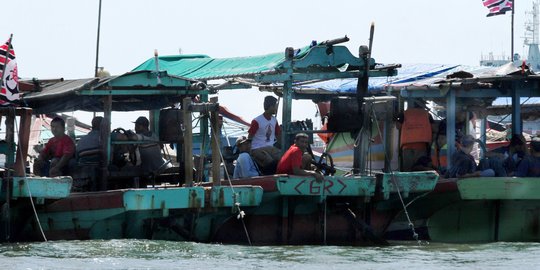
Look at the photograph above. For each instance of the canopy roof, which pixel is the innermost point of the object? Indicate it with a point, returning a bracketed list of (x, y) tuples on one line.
[(140, 90)]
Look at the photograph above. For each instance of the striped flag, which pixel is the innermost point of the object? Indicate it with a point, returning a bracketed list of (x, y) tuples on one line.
[(9, 82), (498, 7)]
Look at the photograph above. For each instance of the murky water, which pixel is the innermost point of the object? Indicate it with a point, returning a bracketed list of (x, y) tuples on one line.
[(147, 254)]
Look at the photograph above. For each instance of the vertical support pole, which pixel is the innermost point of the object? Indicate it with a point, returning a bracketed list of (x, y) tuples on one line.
[(516, 113), (106, 136), (287, 99), (214, 137), (451, 125), (24, 136), (483, 127), (188, 142), (388, 136)]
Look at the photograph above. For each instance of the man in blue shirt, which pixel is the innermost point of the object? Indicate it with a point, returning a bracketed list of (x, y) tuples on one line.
[(244, 167), (530, 165)]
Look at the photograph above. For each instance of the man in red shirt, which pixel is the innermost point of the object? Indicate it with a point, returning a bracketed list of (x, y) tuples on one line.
[(296, 161), (55, 156)]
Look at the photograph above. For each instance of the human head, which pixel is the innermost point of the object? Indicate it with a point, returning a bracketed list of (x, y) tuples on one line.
[(58, 126), (243, 143), (467, 143), (141, 124), (96, 122), (302, 141), (270, 103), (535, 144)]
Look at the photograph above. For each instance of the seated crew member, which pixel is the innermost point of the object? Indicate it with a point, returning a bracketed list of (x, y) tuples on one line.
[(415, 135), (263, 131), (245, 166), (517, 151), (53, 160), (296, 161), (150, 152), (530, 165), (89, 145), (463, 163)]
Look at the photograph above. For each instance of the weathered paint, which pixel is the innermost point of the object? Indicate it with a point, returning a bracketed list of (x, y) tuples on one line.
[(499, 188), (42, 187), (331, 186), (224, 196), (408, 182), (170, 198), (470, 221)]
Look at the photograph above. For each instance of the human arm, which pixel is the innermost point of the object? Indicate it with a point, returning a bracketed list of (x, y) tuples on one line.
[(56, 167), (253, 129), (299, 171)]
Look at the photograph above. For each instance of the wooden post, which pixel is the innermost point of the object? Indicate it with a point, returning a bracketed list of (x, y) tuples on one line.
[(188, 142), (216, 160), (24, 136), (106, 139)]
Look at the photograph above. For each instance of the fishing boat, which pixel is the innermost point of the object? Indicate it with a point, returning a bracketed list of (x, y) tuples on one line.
[(477, 209), (184, 204)]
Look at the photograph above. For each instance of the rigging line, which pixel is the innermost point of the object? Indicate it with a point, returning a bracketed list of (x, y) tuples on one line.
[(241, 213), (411, 225), (26, 181)]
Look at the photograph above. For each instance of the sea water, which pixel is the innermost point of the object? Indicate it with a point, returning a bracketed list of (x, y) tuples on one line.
[(148, 254)]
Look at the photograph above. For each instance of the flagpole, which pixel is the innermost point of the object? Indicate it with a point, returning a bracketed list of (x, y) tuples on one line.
[(7, 59), (97, 45), (512, 32)]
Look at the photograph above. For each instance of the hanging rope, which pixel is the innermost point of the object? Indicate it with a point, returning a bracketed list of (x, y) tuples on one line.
[(241, 213), (394, 181), (27, 184)]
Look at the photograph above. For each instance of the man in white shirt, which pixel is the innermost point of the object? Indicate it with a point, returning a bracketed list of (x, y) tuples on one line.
[(263, 132)]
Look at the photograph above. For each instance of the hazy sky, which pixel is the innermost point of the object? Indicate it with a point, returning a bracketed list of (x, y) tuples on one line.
[(57, 38)]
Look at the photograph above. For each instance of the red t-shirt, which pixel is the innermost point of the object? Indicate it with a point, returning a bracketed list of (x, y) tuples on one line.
[(57, 147), (291, 159)]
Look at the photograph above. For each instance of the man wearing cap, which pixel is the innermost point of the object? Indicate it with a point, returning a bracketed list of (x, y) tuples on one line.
[(263, 131), (530, 165), (464, 165), (150, 152), (245, 166)]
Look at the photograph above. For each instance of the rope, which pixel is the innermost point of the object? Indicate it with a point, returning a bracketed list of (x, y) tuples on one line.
[(411, 225), (241, 213), (28, 186)]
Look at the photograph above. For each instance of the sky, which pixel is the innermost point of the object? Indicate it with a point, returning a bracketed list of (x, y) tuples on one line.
[(57, 38)]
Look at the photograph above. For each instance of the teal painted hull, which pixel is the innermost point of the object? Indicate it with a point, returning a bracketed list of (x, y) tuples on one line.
[(278, 210)]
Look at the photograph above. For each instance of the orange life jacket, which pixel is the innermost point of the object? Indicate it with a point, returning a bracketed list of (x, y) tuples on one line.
[(416, 127)]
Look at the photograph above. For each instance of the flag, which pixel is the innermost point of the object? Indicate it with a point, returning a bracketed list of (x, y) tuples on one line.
[(9, 80), (498, 7)]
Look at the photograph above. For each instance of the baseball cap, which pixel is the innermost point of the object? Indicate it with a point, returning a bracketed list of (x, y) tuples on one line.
[(467, 140), (241, 140), (142, 121)]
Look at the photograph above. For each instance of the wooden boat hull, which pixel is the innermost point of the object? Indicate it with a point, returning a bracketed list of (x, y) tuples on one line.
[(278, 209)]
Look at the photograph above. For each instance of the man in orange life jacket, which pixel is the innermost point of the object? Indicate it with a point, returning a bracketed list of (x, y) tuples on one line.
[(415, 135)]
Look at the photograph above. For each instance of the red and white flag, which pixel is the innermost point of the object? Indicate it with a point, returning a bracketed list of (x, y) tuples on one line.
[(9, 92), (498, 7)]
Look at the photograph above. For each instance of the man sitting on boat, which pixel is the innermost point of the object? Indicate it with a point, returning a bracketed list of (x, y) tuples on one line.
[(245, 166), (530, 165), (150, 151), (296, 160), (463, 163), (517, 151), (263, 131), (53, 160), (88, 147)]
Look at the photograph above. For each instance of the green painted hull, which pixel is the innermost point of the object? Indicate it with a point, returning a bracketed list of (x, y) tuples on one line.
[(278, 210)]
